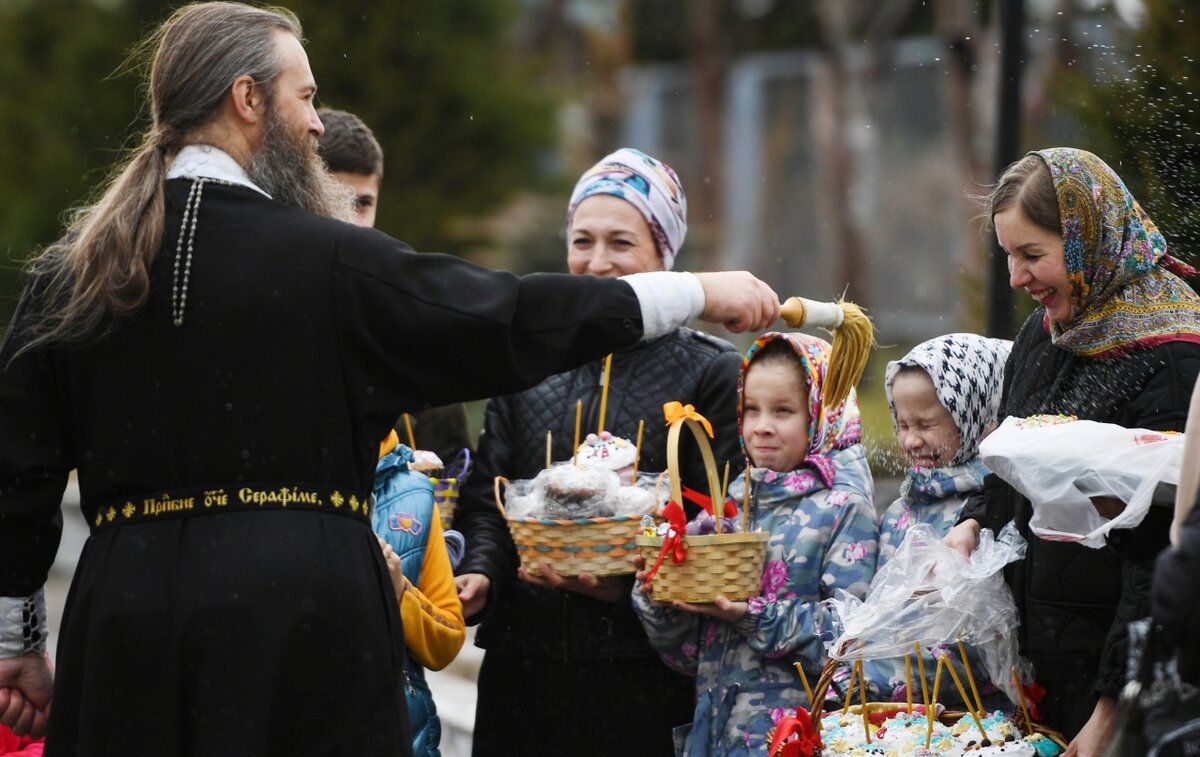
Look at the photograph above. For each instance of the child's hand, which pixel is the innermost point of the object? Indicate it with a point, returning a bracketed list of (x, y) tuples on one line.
[(721, 609), (395, 568), (604, 588)]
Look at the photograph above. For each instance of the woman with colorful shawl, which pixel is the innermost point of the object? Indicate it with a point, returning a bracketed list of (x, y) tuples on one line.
[(811, 489), (943, 396), (1114, 339)]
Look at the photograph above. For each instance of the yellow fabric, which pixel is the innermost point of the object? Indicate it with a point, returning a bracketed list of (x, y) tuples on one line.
[(434, 629), (389, 443)]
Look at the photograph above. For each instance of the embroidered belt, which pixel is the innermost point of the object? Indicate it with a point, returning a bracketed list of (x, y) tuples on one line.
[(224, 499)]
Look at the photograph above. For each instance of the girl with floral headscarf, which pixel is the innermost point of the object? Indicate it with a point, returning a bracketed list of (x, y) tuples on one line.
[(1115, 338), (811, 489)]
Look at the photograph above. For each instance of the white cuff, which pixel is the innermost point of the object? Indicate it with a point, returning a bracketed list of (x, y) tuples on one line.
[(23, 624), (668, 299)]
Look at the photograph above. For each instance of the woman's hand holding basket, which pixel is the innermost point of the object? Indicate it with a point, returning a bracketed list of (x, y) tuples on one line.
[(603, 588)]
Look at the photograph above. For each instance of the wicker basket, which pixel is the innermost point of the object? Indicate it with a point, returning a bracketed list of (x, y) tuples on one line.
[(946, 717), (729, 564), (445, 488), (599, 546)]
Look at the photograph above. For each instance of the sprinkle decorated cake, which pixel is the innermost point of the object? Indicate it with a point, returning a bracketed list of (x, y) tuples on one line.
[(608, 452), (899, 734)]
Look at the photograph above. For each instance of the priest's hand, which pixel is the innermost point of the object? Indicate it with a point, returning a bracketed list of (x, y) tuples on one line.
[(26, 688), (738, 300)]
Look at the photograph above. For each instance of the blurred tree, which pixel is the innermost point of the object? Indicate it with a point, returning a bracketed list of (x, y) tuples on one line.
[(459, 109), (1144, 119)]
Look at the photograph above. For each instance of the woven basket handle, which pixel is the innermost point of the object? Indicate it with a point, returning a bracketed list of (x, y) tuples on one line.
[(496, 490), (710, 464)]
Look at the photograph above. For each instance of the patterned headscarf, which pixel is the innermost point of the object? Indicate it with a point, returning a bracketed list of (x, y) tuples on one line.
[(650, 186), (1125, 289), (829, 428), (967, 371)]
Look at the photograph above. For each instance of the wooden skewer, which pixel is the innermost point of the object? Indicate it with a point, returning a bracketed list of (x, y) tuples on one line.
[(547, 449), (962, 650), (604, 391), (412, 441)]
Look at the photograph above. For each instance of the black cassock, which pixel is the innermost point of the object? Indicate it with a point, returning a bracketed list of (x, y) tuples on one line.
[(198, 624)]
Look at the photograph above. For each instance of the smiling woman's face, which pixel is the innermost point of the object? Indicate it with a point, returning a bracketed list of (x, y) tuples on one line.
[(609, 237), (1036, 262)]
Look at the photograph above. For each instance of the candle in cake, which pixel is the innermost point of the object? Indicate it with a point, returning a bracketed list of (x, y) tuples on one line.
[(937, 680), (921, 670), (962, 692), (962, 650), (637, 452), (547, 449), (603, 393), (862, 695), (908, 682), (412, 441), (1021, 699), (578, 418), (850, 688)]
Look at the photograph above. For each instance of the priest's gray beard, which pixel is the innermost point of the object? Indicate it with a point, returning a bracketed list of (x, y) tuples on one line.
[(288, 168)]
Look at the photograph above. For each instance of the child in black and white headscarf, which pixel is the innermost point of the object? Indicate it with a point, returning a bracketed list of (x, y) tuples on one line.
[(944, 396)]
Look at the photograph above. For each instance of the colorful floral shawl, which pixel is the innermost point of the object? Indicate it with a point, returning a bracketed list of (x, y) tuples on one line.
[(1125, 289), (829, 429)]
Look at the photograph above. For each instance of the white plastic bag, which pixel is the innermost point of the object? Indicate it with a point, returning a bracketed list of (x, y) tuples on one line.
[(930, 594), (1060, 466)]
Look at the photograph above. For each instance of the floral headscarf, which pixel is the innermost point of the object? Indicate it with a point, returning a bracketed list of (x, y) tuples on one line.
[(829, 428), (650, 186), (1125, 289), (967, 371)]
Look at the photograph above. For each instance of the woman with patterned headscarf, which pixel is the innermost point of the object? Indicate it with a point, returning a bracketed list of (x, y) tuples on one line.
[(567, 667), (1115, 338)]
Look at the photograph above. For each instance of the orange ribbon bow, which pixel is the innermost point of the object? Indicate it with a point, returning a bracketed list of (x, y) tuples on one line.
[(674, 411)]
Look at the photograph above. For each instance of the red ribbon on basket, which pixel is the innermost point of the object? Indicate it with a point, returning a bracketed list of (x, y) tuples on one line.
[(673, 543), (705, 501), (793, 736), (674, 411)]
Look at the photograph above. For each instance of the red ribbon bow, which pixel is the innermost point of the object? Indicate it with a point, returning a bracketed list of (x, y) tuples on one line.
[(673, 543)]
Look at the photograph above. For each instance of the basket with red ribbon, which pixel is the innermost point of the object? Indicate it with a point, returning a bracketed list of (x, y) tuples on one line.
[(691, 567)]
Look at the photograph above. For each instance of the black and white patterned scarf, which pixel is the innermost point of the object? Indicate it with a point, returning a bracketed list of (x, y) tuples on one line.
[(967, 371)]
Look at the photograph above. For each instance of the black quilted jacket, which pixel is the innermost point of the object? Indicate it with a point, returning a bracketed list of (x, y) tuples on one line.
[(1075, 601), (688, 366)]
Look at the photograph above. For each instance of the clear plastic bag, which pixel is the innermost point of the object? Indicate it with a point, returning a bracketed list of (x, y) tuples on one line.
[(929, 594), (1061, 466)]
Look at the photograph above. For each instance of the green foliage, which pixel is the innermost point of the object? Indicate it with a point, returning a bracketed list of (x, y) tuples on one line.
[(1143, 118), (62, 118), (462, 117)]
